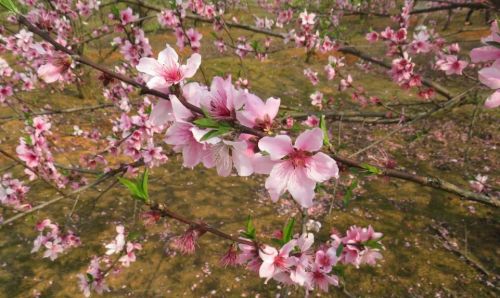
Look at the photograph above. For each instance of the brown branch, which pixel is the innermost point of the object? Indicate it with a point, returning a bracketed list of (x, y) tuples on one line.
[(203, 227), (433, 182), (65, 111)]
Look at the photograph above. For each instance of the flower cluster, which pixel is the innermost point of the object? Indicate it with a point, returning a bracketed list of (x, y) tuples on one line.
[(52, 240), (298, 263), (94, 277), (13, 193), (224, 103), (35, 152)]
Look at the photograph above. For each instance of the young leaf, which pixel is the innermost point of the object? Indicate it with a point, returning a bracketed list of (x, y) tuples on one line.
[(9, 5), (288, 231), (132, 187), (144, 184), (133, 236), (206, 123), (322, 125), (371, 169), (250, 228), (340, 249), (115, 11), (214, 133), (373, 244), (348, 193)]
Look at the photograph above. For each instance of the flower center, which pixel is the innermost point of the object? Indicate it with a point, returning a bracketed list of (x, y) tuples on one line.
[(299, 158), (172, 75)]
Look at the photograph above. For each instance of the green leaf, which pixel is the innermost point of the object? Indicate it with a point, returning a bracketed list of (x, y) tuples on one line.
[(133, 236), (90, 277), (115, 11), (206, 123), (9, 5), (339, 270), (144, 184), (28, 140), (373, 244), (251, 231), (339, 250), (322, 125), (371, 169), (135, 188), (288, 231), (348, 193), (214, 133), (132, 186)]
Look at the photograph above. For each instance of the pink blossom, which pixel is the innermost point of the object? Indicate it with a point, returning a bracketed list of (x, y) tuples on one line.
[(127, 16), (167, 71), (53, 250), (27, 155), (274, 262), (307, 19), (167, 18), (317, 99), (372, 36), (321, 280), (311, 121), (255, 113), (129, 256), (312, 76), (54, 69), (194, 38), (116, 246), (330, 72), (325, 260), (451, 65), (301, 170)]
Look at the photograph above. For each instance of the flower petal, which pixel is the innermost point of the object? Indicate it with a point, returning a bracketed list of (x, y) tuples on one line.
[(322, 167), (301, 187), (310, 140), (192, 65), (277, 147), (493, 100), (278, 178), (149, 66), (168, 57), (161, 113)]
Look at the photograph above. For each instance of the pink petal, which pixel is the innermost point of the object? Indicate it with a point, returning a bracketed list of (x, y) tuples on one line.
[(192, 65), (310, 140), (322, 167), (158, 83), (49, 73), (168, 57), (272, 107), (161, 113), (277, 181), (223, 160), (192, 154), (268, 253), (277, 147), (150, 66), (262, 164), (266, 270), (490, 76), (483, 54), (181, 113), (301, 187), (493, 100)]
